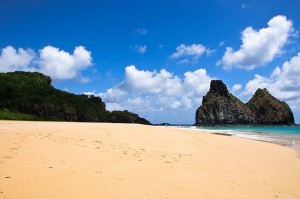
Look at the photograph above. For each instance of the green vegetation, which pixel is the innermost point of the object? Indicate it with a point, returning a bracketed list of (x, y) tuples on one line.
[(6, 114), (30, 96), (126, 117)]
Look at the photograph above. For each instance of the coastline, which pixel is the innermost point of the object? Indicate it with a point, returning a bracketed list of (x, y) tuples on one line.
[(102, 160), (269, 134)]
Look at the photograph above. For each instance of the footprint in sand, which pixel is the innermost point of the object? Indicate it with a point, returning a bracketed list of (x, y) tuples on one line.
[(7, 157)]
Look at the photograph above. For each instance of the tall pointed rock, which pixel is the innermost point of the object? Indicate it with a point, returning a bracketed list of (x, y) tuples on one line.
[(219, 107)]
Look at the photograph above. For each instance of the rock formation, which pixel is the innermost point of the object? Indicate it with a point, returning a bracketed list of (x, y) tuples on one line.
[(219, 107), (269, 110)]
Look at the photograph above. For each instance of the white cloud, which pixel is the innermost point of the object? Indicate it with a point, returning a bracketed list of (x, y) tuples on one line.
[(259, 47), (195, 51), (175, 104), (58, 64), (236, 87), (184, 61), (209, 52), (134, 103), (141, 31), (150, 82), (113, 95), (191, 53), (16, 60), (196, 83), (61, 65), (139, 48), (153, 94), (283, 82), (187, 103)]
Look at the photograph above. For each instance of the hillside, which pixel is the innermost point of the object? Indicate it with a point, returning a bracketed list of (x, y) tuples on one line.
[(269, 110), (30, 96)]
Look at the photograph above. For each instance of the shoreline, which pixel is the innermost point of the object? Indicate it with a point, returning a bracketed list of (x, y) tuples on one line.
[(104, 160), (294, 144)]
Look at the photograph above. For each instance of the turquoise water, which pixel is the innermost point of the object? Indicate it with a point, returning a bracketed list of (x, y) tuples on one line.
[(283, 135)]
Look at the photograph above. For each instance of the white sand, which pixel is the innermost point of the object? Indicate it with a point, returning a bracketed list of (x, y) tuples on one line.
[(41, 160)]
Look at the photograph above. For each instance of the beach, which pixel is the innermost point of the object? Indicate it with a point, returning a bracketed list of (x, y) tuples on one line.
[(103, 160)]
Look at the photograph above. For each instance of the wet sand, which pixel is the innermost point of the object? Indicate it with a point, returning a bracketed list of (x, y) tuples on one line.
[(100, 160)]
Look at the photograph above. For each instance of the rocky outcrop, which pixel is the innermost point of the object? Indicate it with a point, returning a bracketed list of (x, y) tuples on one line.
[(219, 107), (269, 110)]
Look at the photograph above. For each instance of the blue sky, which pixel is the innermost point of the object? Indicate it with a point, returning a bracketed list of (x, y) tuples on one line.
[(156, 58)]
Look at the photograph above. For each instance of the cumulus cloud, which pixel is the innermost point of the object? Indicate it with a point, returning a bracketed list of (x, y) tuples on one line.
[(154, 93), (259, 46), (283, 82), (58, 64), (12, 59), (113, 95), (196, 83), (61, 65), (139, 48), (150, 81)]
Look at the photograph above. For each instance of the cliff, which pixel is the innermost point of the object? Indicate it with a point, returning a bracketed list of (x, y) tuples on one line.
[(30, 96), (219, 107)]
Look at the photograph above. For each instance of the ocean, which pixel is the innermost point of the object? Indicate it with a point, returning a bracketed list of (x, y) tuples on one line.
[(283, 135)]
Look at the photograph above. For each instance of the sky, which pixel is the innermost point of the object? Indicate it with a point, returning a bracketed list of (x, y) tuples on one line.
[(156, 58)]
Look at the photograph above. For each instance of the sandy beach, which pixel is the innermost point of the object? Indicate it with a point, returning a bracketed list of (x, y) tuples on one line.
[(99, 160)]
